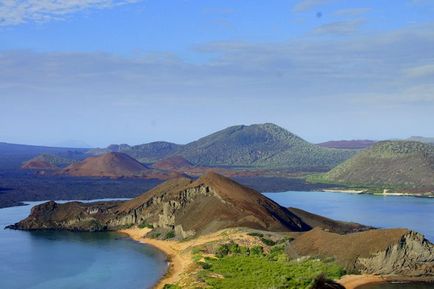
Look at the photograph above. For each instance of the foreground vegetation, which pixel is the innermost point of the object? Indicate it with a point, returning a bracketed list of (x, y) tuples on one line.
[(234, 266)]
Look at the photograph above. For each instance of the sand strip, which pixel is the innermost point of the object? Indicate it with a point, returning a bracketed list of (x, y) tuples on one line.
[(355, 281)]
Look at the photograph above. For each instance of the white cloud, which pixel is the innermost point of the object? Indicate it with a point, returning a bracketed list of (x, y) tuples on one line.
[(352, 11), (420, 71), (340, 27), (13, 12), (305, 5), (306, 68)]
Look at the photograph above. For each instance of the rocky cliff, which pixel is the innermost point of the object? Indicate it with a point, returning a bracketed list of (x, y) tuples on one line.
[(386, 251)]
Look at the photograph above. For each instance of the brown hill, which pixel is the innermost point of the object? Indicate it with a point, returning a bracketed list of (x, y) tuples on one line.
[(173, 163), (181, 205), (107, 165), (382, 251)]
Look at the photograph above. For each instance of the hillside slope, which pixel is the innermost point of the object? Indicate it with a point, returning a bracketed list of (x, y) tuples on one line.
[(145, 153), (265, 146), (347, 144), (107, 165), (389, 163), (47, 161), (261, 145)]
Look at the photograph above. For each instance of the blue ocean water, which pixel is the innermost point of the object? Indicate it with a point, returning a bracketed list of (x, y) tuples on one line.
[(379, 211), (66, 260)]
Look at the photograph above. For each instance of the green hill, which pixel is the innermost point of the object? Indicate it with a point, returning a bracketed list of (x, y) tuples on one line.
[(265, 146), (261, 145), (389, 163)]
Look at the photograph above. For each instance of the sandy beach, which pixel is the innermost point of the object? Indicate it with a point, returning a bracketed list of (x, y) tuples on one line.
[(355, 281), (179, 253)]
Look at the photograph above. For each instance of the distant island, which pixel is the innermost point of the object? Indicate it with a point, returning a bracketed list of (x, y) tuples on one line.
[(390, 167), (219, 233), (263, 156)]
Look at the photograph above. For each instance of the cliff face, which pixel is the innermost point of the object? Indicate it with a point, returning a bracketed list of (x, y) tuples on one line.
[(385, 251), (411, 256)]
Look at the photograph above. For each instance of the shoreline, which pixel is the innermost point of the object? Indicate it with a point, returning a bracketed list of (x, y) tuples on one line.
[(175, 264), (357, 281)]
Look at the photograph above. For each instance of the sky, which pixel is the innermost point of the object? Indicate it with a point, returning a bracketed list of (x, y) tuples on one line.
[(98, 72)]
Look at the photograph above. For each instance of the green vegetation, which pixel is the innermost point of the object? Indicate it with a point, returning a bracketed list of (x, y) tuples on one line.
[(268, 242), (256, 234), (242, 267), (392, 165), (259, 145), (144, 224), (171, 286), (169, 235)]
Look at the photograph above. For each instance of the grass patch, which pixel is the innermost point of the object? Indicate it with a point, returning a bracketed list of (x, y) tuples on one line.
[(256, 271), (242, 267)]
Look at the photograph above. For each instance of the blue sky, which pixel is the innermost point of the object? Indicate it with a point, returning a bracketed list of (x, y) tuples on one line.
[(126, 71)]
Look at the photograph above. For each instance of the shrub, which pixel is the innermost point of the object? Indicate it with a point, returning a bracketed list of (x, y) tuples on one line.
[(205, 265), (144, 224), (170, 235), (222, 251), (268, 242), (256, 234), (257, 251), (171, 286)]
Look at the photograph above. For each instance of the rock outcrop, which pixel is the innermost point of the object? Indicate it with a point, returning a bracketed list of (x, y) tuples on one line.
[(383, 251)]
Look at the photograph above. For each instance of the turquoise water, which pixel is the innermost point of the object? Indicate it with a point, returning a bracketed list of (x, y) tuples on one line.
[(379, 211), (66, 260), (399, 286)]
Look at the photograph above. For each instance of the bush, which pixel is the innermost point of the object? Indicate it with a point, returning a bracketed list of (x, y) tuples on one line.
[(170, 235), (257, 251), (171, 286), (268, 242), (256, 234), (222, 251), (144, 224), (205, 265)]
